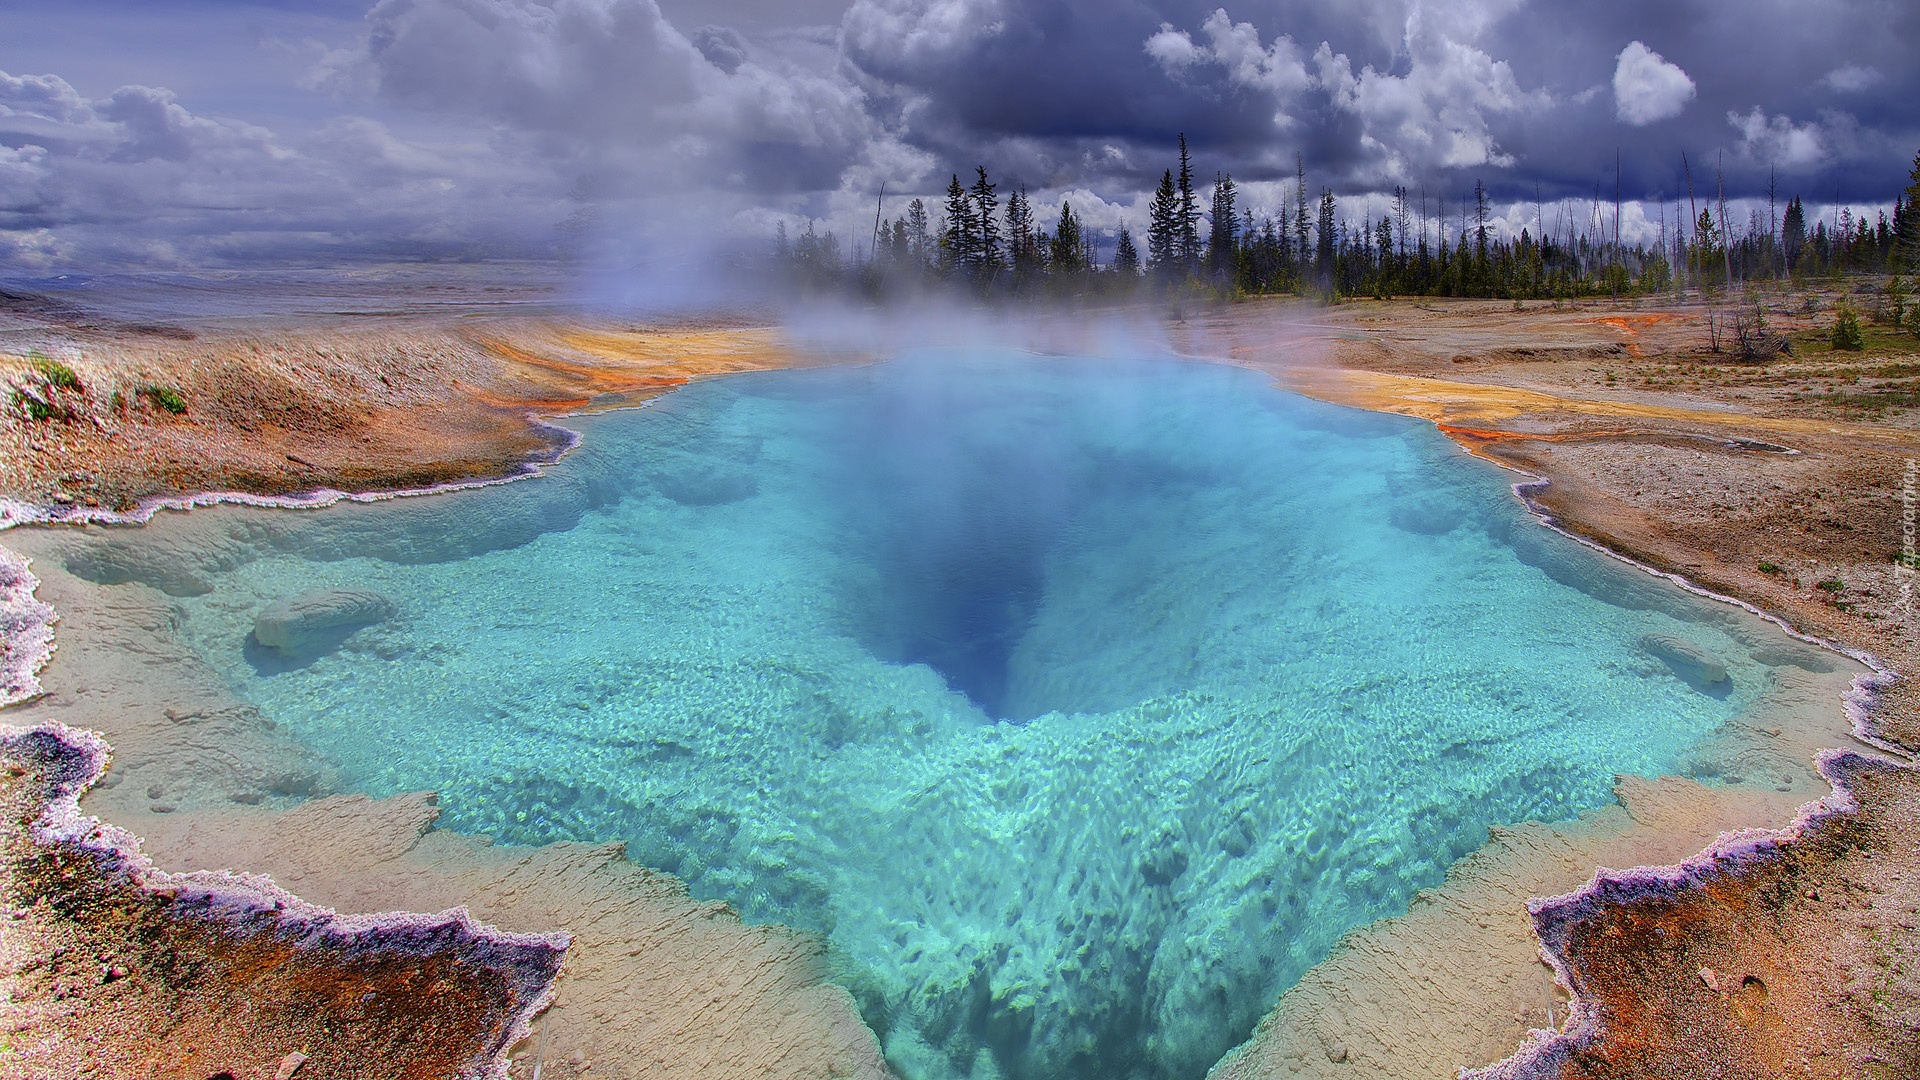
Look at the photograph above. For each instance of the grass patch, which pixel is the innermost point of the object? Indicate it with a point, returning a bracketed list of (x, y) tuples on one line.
[(1875, 341), (58, 375), (35, 408), (1874, 401), (1832, 585), (165, 397), (1769, 568)]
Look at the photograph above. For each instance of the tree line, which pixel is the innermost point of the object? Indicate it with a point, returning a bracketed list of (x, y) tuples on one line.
[(992, 244)]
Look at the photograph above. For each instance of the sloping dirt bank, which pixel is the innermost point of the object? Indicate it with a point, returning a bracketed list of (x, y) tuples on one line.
[(284, 406)]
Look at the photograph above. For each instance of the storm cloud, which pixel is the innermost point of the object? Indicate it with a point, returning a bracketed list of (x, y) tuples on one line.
[(499, 127)]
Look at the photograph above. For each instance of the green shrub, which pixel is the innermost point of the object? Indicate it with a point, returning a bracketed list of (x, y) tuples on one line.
[(57, 374), (165, 397), (1846, 331), (1832, 585), (35, 408), (1769, 568)]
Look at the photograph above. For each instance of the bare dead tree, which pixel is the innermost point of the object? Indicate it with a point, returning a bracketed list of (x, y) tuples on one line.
[(1693, 210), (1754, 341), (1617, 254), (1539, 214), (1773, 228), (1727, 231)]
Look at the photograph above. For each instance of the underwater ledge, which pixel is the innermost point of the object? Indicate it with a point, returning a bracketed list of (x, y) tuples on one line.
[(1351, 1051)]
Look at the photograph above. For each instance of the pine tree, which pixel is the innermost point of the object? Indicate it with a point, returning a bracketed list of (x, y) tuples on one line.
[(1480, 217), (1189, 235), (1067, 249), (1300, 223), (987, 243), (816, 256), (1323, 262), (919, 236), (1275, 255), (1793, 232), (1846, 335), (1163, 227), (1026, 254), (1906, 235), (1907, 224), (1706, 241), (1223, 241), (1383, 248), (900, 245), (960, 240), (1126, 257)]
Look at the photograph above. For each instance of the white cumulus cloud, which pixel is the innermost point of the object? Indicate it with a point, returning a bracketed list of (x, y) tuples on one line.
[(1647, 88), (1236, 47), (1852, 78), (1778, 140), (1436, 113)]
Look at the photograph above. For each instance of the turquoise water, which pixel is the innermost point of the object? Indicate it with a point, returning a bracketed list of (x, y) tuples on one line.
[(1080, 704)]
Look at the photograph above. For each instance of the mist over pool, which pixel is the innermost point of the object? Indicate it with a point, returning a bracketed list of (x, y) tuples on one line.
[(1080, 704)]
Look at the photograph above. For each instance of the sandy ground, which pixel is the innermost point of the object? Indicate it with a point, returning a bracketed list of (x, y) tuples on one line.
[(1655, 446)]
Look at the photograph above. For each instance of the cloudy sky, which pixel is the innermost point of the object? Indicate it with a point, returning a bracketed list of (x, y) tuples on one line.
[(208, 132)]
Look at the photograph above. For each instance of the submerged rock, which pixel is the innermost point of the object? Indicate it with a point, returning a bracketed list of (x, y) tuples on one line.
[(705, 486), (1427, 515), (1794, 654), (120, 563), (1689, 662), (318, 621)]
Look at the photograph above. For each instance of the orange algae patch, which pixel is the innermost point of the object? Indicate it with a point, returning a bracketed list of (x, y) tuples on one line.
[(1632, 324), (571, 368), (1467, 405)]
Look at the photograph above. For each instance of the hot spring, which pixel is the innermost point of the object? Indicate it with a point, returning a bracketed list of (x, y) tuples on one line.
[(1081, 705)]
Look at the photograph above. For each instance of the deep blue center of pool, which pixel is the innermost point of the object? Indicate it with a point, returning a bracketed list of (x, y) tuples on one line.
[(1081, 704)]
